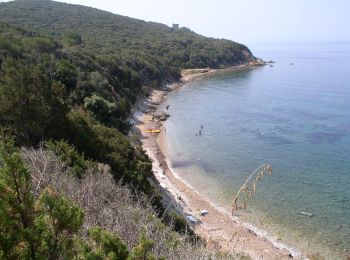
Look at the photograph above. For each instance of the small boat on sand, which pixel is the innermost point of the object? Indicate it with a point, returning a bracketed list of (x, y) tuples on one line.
[(153, 131)]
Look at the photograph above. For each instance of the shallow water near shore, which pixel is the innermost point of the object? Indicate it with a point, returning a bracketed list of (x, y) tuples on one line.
[(294, 115)]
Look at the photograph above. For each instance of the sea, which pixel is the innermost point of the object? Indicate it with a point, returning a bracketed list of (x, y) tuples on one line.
[(293, 114)]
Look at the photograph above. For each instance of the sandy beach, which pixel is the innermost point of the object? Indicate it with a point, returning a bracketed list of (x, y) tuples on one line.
[(218, 228)]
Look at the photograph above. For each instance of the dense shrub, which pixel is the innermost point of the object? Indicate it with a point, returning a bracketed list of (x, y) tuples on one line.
[(66, 73), (109, 146), (68, 154), (29, 106), (104, 245)]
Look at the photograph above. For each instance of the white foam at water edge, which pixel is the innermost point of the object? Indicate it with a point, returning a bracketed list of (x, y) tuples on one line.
[(259, 232), (263, 233)]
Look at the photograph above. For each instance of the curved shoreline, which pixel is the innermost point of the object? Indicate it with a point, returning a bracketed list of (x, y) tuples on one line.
[(219, 229)]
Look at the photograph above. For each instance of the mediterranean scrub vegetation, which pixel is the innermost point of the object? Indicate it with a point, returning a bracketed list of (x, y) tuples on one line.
[(47, 212), (71, 183), (38, 102), (145, 50)]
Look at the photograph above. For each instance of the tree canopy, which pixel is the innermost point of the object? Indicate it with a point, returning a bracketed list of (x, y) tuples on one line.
[(152, 49)]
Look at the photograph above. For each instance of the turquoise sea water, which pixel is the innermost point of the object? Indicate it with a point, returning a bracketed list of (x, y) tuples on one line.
[(294, 115)]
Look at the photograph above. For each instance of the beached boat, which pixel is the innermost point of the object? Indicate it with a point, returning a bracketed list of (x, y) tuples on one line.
[(152, 131)]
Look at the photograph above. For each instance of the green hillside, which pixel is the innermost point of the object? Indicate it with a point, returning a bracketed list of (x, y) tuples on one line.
[(68, 77), (153, 45)]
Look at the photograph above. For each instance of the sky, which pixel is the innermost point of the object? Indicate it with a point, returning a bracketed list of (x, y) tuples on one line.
[(246, 21)]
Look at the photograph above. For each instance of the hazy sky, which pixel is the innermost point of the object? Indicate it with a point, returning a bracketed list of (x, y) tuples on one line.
[(246, 21)]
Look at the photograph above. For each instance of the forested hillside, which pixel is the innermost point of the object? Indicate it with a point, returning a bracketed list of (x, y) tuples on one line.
[(68, 77), (154, 48)]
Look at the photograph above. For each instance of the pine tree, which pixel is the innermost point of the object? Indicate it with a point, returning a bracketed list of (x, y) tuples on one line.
[(103, 245), (142, 251), (17, 237), (30, 228)]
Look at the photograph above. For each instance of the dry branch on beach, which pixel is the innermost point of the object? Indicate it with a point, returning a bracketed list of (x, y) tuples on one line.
[(249, 186)]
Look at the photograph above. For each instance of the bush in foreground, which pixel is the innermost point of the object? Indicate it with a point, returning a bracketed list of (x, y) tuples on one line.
[(47, 212)]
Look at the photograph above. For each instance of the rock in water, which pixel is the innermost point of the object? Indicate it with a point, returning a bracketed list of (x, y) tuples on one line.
[(161, 116), (308, 214)]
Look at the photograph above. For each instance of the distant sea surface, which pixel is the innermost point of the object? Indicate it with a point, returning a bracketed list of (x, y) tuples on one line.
[(295, 115)]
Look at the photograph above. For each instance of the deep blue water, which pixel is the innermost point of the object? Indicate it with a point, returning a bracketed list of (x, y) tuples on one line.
[(294, 115)]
